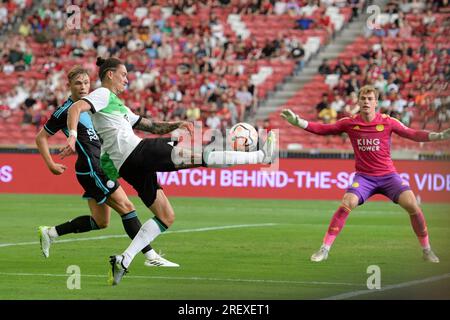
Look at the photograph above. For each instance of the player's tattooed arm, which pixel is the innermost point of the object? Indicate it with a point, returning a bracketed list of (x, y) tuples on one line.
[(158, 127)]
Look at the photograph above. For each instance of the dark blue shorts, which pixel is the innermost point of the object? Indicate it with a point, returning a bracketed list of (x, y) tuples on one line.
[(97, 185)]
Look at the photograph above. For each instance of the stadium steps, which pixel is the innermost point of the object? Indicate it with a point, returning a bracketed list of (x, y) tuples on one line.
[(294, 83)]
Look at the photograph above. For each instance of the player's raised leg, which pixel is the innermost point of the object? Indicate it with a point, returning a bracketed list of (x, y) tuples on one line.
[(184, 158), (265, 155), (349, 202), (408, 201)]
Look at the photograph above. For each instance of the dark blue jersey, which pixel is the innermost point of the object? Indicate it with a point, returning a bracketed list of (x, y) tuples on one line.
[(87, 145)]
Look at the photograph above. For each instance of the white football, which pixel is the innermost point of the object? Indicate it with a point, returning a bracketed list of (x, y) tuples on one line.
[(243, 137)]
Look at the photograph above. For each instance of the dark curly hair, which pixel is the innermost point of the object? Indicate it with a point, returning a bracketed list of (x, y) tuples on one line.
[(107, 65)]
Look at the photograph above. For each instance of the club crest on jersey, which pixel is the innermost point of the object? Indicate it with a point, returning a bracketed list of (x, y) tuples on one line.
[(110, 184), (379, 127), (356, 128)]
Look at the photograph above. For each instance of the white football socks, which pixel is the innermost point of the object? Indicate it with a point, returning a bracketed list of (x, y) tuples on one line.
[(150, 254), (53, 233), (148, 232), (223, 159)]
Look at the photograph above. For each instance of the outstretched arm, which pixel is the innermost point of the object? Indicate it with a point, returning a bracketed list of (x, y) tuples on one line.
[(161, 127), (313, 127), (418, 135)]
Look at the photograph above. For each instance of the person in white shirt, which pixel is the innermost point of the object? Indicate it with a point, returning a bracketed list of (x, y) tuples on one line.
[(124, 154)]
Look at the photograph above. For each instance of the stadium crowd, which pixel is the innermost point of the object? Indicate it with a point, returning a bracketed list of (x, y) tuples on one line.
[(184, 60)]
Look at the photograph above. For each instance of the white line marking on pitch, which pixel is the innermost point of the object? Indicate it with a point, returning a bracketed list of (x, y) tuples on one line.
[(387, 288), (188, 278), (2, 245)]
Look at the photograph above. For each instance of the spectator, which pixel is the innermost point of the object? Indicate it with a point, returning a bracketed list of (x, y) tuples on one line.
[(384, 104), (184, 67), (179, 112), (280, 7), (304, 22), (354, 67), (351, 107), (338, 105), (5, 111), (266, 7), (266, 125), (406, 117), (297, 53), (405, 6), (443, 115), (193, 112), (213, 121), (406, 30), (322, 104), (27, 118), (399, 105), (268, 49), (245, 100), (328, 115), (325, 68), (165, 50), (152, 51), (229, 103), (355, 5), (175, 94), (381, 84), (428, 19), (293, 8)]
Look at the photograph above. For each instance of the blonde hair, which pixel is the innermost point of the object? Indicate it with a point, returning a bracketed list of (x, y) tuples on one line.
[(75, 72), (368, 89)]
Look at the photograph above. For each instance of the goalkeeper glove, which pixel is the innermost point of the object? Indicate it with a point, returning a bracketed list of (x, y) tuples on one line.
[(444, 135), (293, 118)]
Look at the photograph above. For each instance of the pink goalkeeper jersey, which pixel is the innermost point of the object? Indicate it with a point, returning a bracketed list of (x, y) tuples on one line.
[(371, 141)]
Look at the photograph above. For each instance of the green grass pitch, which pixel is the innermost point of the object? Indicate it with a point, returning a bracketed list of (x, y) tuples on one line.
[(227, 249)]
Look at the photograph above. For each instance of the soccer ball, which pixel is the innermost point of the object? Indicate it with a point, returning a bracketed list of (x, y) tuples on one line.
[(243, 137)]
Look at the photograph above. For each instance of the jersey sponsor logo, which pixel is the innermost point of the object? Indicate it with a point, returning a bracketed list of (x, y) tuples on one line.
[(366, 144), (379, 127), (92, 134), (356, 128)]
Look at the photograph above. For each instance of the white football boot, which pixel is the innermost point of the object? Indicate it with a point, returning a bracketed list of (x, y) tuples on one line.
[(157, 260), (428, 255), (117, 270), (45, 240), (320, 255)]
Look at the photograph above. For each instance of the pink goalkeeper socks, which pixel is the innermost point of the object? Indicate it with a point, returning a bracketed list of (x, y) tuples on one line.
[(336, 225), (420, 228)]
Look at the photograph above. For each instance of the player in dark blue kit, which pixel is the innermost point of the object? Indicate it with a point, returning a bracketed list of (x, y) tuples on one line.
[(101, 192)]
